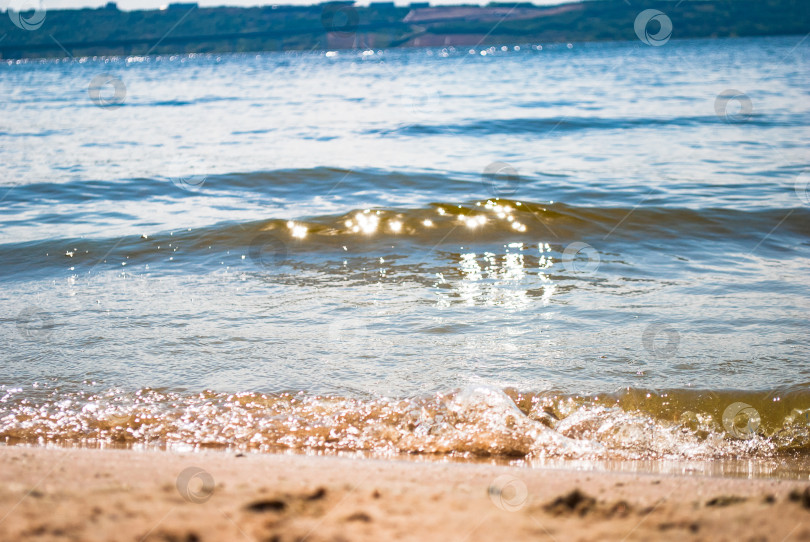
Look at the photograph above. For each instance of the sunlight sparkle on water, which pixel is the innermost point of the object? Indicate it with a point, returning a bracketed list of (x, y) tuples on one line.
[(297, 230), (365, 222)]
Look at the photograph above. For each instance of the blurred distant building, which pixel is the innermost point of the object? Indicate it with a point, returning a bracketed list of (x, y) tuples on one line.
[(511, 5)]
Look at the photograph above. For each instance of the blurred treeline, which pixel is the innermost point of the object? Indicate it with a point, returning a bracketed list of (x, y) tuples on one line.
[(185, 28)]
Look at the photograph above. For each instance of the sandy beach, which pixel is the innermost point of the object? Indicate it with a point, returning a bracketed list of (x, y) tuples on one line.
[(123, 495)]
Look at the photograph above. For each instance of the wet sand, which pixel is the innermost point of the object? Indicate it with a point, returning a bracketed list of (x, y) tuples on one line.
[(124, 495)]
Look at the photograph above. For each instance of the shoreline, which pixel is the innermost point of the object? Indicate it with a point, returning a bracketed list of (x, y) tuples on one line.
[(186, 28), (93, 494)]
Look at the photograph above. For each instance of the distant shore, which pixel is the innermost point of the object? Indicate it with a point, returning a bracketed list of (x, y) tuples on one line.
[(73, 494), (187, 28)]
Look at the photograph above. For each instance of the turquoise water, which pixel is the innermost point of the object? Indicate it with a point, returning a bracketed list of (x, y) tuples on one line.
[(336, 250)]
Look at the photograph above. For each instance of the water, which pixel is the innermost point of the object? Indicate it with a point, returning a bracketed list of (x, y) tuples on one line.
[(508, 252)]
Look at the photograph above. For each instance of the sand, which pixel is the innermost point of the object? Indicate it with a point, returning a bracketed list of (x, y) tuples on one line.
[(81, 494)]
